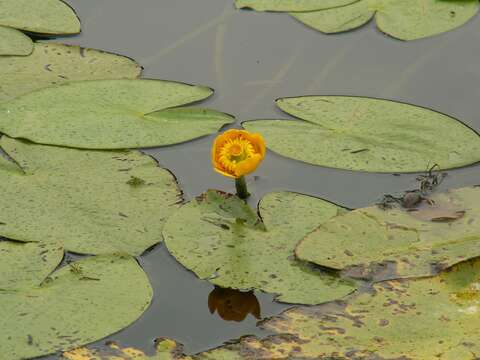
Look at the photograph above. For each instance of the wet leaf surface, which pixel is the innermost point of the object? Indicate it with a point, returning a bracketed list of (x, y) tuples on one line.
[(39, 16), (83, 199), (437, 212), (80, 303), (26, 265), (111, 114), (223, 241), (290, 5), (54, 64), (430, 318), (367, 241), (367, 134), (14, 42)]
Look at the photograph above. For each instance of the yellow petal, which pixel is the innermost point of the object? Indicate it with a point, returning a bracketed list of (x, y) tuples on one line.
[(258, 143), (243, 167), (248, 166), (224, 172)]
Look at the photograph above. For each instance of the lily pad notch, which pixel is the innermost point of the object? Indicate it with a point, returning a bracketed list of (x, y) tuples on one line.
[(404, 20), (368, 134), (222, 240)]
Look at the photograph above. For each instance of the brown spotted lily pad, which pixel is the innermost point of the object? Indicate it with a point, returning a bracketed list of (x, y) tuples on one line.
[(397, 242), (165, 349), (429, 318), (222, 240), (426, 318)]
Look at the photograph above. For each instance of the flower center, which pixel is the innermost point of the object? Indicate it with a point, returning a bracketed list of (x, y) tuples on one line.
[(235, 151)]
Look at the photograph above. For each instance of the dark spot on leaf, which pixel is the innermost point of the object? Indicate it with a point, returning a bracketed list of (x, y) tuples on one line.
[(135, 181)]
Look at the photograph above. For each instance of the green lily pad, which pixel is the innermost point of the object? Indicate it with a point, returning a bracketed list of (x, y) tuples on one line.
[(111, 114), (366, 134), (405, 20), (24, 265), (54, 64), (91, 202), (368, 240), (290, 5), (14, 42), (39, 16), (223, 241), (430, 318), (78, 304)]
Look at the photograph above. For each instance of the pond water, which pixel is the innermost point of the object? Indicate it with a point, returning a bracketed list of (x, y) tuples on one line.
[(250, 59)]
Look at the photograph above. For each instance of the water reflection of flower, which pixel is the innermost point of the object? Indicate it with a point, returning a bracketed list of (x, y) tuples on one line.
[(233, 305)]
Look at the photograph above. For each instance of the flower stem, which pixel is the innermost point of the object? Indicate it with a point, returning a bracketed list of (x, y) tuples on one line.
[(241, 186)]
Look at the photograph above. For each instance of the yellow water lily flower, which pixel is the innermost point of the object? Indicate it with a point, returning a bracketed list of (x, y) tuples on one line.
[(236, 153)]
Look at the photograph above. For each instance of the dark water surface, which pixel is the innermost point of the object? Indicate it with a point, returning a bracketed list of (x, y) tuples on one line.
[(250, 59)]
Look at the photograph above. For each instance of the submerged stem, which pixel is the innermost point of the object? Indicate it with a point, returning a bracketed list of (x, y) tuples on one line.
[(241, 186)]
